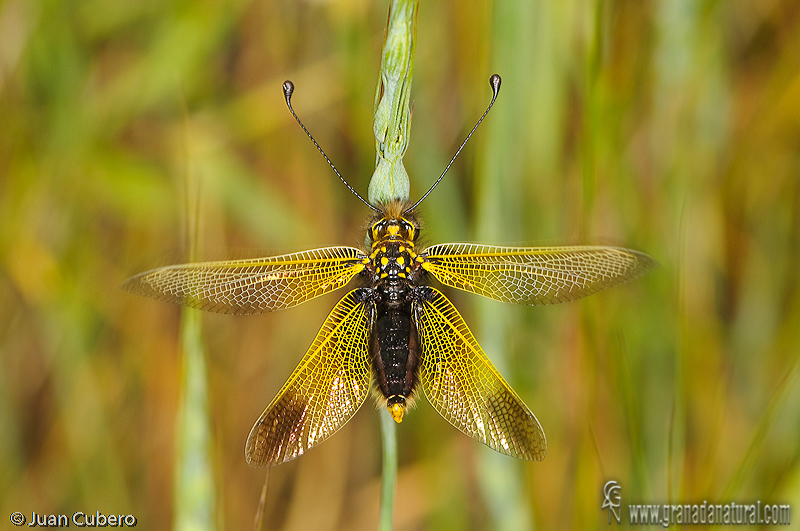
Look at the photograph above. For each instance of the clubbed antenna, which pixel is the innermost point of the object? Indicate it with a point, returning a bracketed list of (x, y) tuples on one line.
[(288, 89), (494, 81)]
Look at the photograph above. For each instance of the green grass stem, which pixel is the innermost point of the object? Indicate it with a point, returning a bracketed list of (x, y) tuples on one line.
[(194, 475), (392, 104), (389, 471), (390, 180)]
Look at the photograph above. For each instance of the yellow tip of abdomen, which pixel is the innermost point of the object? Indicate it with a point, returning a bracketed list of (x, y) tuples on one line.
[(397, 411)]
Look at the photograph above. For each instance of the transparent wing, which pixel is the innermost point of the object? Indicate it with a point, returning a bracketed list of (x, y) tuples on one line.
[(464, 387), (533, 275), (323, 392), (251, 286)]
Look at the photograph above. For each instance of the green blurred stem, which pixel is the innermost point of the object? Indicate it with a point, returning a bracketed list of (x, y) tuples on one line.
[(392, 104), (194, 484), (389, 472), (500, 184), (194, 475)]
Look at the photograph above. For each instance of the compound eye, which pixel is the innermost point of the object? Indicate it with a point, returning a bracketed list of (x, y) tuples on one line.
[(375, 231), (411, 230), (379, 230)]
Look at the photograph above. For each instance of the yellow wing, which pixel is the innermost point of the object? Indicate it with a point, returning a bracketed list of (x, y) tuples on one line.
[(323, 392), (533, 275), (251, 286), (461, 383)]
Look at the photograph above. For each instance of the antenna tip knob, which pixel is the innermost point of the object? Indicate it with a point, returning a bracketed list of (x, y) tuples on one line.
[(288, 88), (495, 81)]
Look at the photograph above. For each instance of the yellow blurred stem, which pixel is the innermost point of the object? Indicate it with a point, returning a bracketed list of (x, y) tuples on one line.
[(259, 519)]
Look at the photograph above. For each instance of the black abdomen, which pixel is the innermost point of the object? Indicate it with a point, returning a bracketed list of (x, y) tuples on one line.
[(394, 353), (394, 328)]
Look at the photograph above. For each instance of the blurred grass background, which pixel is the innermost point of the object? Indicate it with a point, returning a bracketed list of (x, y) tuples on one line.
[(669, 126)]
